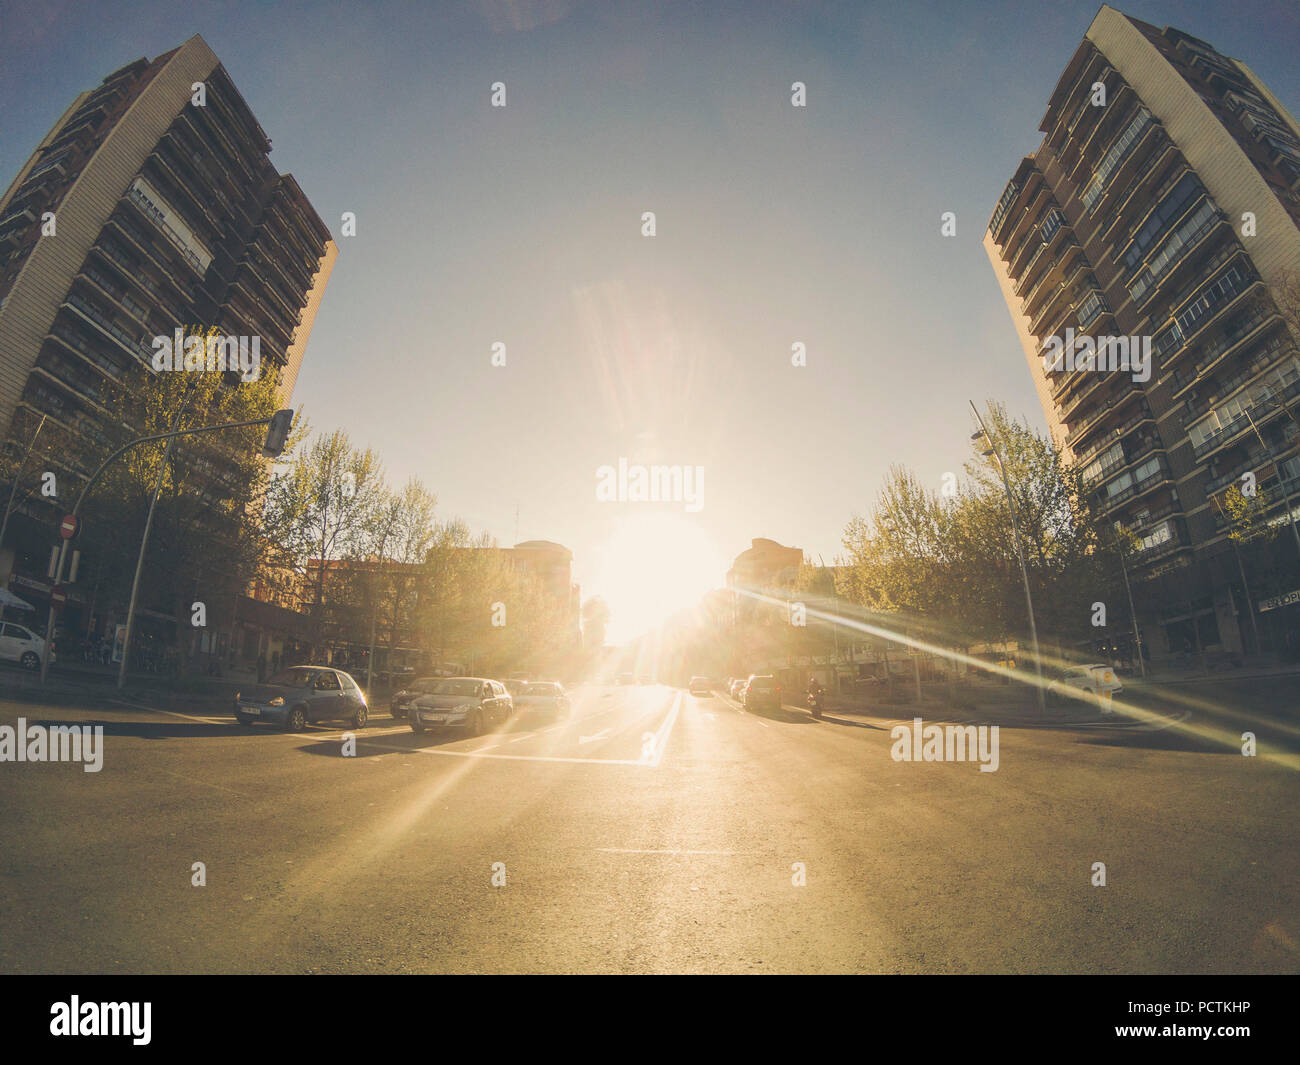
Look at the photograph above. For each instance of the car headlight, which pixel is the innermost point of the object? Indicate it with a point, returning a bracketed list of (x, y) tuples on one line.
[(277, 701), (236, 696)]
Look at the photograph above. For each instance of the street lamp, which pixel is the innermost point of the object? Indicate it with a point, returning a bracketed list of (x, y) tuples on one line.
[(993, 452), (272, 448)]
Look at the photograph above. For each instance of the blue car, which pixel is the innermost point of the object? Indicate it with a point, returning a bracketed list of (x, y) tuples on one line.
[(303, 695)]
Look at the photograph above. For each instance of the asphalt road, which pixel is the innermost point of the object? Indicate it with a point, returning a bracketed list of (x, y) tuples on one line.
[(658, 832)]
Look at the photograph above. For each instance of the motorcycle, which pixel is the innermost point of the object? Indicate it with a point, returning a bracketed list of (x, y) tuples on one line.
[(815, 703)]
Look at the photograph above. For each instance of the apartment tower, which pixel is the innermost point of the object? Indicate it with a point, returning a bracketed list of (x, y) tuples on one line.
[(1163, 204), (151, 205)]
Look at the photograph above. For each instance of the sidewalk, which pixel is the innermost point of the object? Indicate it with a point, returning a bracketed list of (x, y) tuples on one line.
[(1250, 669), (82, 683)]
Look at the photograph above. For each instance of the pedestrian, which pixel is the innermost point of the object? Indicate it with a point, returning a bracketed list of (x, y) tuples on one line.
[(275, 662), (261, 668)]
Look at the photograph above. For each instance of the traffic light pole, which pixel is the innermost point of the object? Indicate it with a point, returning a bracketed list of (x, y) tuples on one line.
[(63, 549)]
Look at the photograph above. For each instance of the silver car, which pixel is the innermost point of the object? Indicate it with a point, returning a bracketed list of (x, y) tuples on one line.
[(473, 705), (546, 698)]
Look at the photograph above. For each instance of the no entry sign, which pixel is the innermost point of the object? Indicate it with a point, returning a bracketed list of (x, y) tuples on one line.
[(58, 596), (69, 526)]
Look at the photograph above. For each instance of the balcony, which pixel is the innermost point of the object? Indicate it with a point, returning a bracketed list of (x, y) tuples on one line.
[(67, 337), (1129, 423), (178, 241), (1242, 330), (1178, 248), (16, 220), (1136, 489), (1116, 155), (1144, 556), (1261, 411), (1103, 412), (133, 346)]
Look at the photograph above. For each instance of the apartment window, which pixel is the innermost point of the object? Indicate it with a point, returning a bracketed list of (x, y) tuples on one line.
[(1051, 224), (1114, 158), (1172, 206), (1219, 291), (1161, 534), (1189, 232), (1091, 306), (1008, 197), (1107, 460)]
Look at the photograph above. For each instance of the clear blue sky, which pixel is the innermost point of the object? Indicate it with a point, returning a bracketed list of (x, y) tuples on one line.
[(775, 225)]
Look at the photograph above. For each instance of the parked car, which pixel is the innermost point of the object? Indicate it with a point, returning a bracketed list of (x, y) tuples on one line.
[(401, 701), (19, 644), (700, 686), (545, 698), (301, 695), (1094, 683), (473, 705), (737, 687), (762, 692)]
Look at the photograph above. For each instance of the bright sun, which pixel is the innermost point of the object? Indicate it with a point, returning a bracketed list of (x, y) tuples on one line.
[(651, 566)]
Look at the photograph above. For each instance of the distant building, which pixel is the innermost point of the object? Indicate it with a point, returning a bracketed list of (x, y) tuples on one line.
[(765, 564)]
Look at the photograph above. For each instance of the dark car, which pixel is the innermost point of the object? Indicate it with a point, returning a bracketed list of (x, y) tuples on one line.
[(762, 692), (301, 695), (473, 705), (700, 686)]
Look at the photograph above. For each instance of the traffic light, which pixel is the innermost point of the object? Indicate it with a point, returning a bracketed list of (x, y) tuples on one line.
[(277, 433)]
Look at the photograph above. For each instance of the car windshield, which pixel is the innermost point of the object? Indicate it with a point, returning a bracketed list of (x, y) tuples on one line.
[(457, 687), (541, 689), (761, 682), (293, 678)]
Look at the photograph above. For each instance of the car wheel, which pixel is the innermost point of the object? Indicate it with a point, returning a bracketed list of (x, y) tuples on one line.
[(476, 723), (417, 728), (31, 660), (360, 717), (297, 719)]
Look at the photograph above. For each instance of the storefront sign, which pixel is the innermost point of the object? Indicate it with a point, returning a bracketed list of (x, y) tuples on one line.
[(1280, 600)]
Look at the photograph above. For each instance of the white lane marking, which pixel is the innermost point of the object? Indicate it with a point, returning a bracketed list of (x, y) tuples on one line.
[(634, 850), (665, 730), (598, 736), (525, 736), (510, 757), (173, 713)]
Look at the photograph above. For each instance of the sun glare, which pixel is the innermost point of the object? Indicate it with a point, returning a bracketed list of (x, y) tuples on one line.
[(651, 566)]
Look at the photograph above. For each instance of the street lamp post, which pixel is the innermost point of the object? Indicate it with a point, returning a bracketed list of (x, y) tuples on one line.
[(144, 542), (1128, 590), (1020, 554)]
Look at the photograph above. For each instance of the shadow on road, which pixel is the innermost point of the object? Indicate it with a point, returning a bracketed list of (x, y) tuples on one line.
[(154, 730), (830, 720)]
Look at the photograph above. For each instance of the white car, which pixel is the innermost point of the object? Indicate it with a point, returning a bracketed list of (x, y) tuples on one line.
[(544, 697), (1094, 683), (19, 644)]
